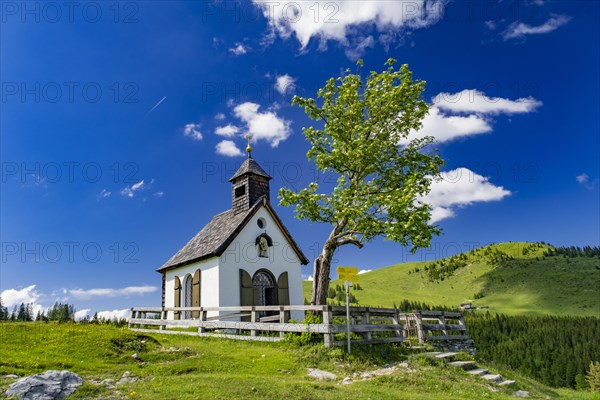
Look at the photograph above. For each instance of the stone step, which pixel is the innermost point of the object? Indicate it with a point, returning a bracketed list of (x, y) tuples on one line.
[(492, 377), (478, 371), (446, 356), (466, 365), (507, 382)]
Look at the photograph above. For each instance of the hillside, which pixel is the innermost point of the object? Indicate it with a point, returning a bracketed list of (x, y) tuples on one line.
[(184, 367), (513, 278)]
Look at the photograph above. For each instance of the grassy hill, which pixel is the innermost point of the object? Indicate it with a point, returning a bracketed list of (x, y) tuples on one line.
[(184, 367), (511, 278)]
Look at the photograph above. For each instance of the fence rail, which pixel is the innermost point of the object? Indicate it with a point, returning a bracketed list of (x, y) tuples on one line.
[(368, 325)]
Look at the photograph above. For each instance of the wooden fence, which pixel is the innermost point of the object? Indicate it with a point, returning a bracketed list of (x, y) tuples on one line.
[(368, 325)]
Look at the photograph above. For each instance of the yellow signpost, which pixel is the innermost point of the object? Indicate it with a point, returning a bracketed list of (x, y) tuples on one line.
[(347, 274)]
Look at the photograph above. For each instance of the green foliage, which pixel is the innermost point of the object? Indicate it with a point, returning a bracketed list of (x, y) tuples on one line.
[(593, 376), (553, 350), (379, 181), (306, 338), (574, 251), (338, 293)]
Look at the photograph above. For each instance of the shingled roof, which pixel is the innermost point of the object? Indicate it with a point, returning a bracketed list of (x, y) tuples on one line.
[(247, 167), (218, 234)]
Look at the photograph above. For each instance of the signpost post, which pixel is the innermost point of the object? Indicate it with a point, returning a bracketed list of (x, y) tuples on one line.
[(349, 275)]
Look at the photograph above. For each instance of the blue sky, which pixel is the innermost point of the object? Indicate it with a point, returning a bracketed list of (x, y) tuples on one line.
[(121, 122)]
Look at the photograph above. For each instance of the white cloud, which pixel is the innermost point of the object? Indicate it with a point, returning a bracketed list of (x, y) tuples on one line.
[(490, 24), (458, 188), (106, 292), (475, 101), (364, 271), (193, 131), (104, 194), (115, 314), (228, 148), (583, 178), (265, 126), (159, 194), (130, 191), (310, 278), (26, 295), (518, 30), (219, 116), (14, 297), (82, 314), (447, 127), (467, 113), (338, 20), (239, 49), (285, 84), (227, 131), (357, 48)]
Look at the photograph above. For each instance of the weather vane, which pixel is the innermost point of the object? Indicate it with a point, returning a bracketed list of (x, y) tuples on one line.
[(249, 148)]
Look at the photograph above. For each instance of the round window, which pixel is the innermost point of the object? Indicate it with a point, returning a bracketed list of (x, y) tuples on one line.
[(261, 223)]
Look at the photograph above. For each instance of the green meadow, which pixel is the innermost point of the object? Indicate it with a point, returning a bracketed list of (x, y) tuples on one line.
[(184, 367), (531, 284)]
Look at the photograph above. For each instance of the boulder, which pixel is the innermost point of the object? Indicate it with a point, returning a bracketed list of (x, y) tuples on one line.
[(321, 375), (49, 385)]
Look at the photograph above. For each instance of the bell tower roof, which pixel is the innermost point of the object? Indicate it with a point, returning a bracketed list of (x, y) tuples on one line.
[(250, 166)]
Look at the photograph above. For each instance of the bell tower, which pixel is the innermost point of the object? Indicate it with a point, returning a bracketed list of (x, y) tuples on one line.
[(248, 184)]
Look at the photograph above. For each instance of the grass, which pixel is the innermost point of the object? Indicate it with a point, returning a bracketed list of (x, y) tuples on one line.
[(529, 284), (223, 369)]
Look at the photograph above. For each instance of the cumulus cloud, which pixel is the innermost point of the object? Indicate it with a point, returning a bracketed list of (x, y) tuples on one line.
[(86, 294), (364, 271), (475, 101), (285, 84), (115, 314), (228, 148), (518, 30), (193, 131), (338, 21), (26, 295), (467, 113), (219, 116), (82, 314), (227, 130), (239, 49), (310, 278), (458, 188), (265, 126), (14, 297)]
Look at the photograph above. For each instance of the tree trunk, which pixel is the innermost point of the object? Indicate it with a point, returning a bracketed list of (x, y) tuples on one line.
[(321, 281)]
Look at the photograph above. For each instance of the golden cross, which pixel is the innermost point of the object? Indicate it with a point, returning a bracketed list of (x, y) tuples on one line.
[(249, 148)]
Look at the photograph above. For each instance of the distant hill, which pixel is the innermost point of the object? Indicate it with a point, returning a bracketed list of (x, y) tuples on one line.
[(512, 278)]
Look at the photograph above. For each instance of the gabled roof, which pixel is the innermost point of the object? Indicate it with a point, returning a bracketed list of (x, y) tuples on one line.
[(217, 235), (249, 166)]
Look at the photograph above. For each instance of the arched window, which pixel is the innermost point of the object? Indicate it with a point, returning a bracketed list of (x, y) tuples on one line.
[(188, 296)]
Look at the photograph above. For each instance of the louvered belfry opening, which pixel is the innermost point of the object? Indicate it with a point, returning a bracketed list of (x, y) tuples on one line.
[(249, 184)]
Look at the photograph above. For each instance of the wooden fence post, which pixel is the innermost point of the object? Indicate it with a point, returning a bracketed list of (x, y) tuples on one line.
[(203, 315), (253, 314), (328, 320), (420, 333), (163, 316), (366, 319)]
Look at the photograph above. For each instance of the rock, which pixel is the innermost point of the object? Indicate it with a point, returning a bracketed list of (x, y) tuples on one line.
[(366, 375), (347, 381), (320, 374), (49, 385), (521, 393), (9, 376), (135, 356), (126, 378)]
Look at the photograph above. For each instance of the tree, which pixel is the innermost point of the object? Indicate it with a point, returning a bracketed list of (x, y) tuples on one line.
[(3, 311), (381, 174)]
